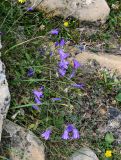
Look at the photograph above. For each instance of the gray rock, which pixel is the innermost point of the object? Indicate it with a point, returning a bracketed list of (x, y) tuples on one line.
[(84, 154), (4, 95), (113, 125), (84, 10), (21, 143)]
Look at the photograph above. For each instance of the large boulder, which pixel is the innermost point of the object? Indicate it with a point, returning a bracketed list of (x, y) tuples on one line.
[(4, 94), (84, 10), (21, 144)]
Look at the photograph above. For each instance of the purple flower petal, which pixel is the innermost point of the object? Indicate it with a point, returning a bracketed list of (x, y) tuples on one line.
[(62, 54), (76, 64), (38, 94), (56, 99), (62, 42), (37, 101), (65, 135), (81, 86), (56, 44), (42, 88), (35, 107), (30, 72), (70, 128), (62, 72), (73, 73), (54, 31), (63, 64), (46, 134), (75, 134), (30, 9), (51, 54)]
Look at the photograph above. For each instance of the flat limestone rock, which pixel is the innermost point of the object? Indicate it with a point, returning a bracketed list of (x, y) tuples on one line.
[(21, 143), (112, 62), (84, 154), (84, 10), (4, 94)]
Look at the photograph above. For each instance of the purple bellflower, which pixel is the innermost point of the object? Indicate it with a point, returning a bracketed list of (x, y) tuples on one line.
[(54, 31), (51, 54), (62, 42), (70, 129), (35, 107), (62, 54), (65, 135), (63, 64), (62, 72), (73, 73), (56, 44), (30, 9), (75, 134), (76, 64), (38, 94), (30, 72), (37, 101), (46, 134)]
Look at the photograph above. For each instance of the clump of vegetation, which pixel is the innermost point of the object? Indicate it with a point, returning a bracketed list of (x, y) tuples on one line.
[(59, 100)]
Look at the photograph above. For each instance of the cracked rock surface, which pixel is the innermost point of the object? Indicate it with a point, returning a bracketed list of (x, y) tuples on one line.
[(84, 10)]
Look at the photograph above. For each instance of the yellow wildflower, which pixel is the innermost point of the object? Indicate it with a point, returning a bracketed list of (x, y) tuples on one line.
[(66, 24), (108, 153), (22, 1)]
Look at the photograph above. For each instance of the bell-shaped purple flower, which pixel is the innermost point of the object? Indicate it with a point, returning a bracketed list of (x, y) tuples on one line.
[(65, 135), (56, 44), (30, 9), (30, 72), (75, 134), (38, 94), (51, 54), (62, 72), (62, 54), (37, 101), (70, 129), (46, 134), (62, 42), (76, 64), (73, 73), (35, 107), (63, 64), (54, 31)]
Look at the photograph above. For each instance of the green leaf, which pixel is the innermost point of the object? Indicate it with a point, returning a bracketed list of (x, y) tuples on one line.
[(109, 138), (118, 97)]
